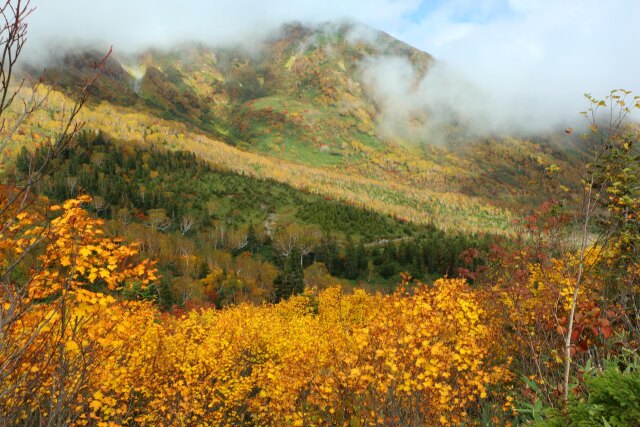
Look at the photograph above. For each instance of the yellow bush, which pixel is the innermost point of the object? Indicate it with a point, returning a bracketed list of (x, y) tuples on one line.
[(424, 357)]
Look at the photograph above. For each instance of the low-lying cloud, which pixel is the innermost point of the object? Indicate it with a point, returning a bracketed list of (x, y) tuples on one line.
[(503, 65), (134, 25), (421, 107), (533, 63)]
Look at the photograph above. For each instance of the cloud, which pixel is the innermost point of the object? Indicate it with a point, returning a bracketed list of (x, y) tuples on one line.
[(512, 64), (532, 60), (422, 108), (135, 24)]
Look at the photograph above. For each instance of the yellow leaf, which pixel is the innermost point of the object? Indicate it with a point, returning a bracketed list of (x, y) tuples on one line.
[(85, 251), (71, 346)]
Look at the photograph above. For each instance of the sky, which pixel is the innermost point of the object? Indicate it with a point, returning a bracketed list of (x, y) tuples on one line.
[(529, 61)]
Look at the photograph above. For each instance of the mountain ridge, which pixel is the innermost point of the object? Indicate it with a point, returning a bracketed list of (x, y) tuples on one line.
[(302, 100)]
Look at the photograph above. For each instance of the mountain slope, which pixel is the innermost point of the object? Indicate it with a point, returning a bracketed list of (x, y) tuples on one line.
[(299, 111)]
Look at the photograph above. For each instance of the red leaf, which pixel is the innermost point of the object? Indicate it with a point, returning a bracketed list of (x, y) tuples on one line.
[(583, 346)]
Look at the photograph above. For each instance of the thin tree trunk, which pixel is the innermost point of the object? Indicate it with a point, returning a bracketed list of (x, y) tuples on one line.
[(576, 290)]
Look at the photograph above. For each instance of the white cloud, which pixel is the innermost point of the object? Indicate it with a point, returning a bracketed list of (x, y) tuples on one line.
[(535, 59), (131, 24)]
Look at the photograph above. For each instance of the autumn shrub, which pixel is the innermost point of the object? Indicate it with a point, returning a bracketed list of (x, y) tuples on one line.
[(420, 358), (75, 352), (55, 329)]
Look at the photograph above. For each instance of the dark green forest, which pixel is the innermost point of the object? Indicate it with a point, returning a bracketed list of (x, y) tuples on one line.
[(190, 206)]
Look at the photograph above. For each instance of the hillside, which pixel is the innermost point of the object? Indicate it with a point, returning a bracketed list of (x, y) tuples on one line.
[(302, 102), (192, 218)]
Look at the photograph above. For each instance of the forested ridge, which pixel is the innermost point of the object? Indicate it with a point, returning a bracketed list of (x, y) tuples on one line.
[(207, 219)]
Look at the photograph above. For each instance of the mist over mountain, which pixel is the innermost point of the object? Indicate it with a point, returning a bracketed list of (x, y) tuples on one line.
[(506, 67), (337, 98), (347, 67), (342, 68)]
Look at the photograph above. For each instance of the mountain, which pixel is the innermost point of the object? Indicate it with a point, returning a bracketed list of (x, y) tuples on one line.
[(300, 109), (301, 80)]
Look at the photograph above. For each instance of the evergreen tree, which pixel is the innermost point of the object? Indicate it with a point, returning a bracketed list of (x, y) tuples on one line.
[(390, 252), (290, 281), (362, 258), (297, 273), (204, 270), (350, 260), (280, 287), (327, 253), (252, 239), (23, 161), (166, 299)]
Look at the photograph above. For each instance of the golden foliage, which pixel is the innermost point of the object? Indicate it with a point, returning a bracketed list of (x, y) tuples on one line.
[(69, 345), (423, 357), (54, 332), (73, 251)]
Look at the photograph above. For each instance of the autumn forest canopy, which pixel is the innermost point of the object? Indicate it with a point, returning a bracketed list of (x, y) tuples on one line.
[(215, 235)]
